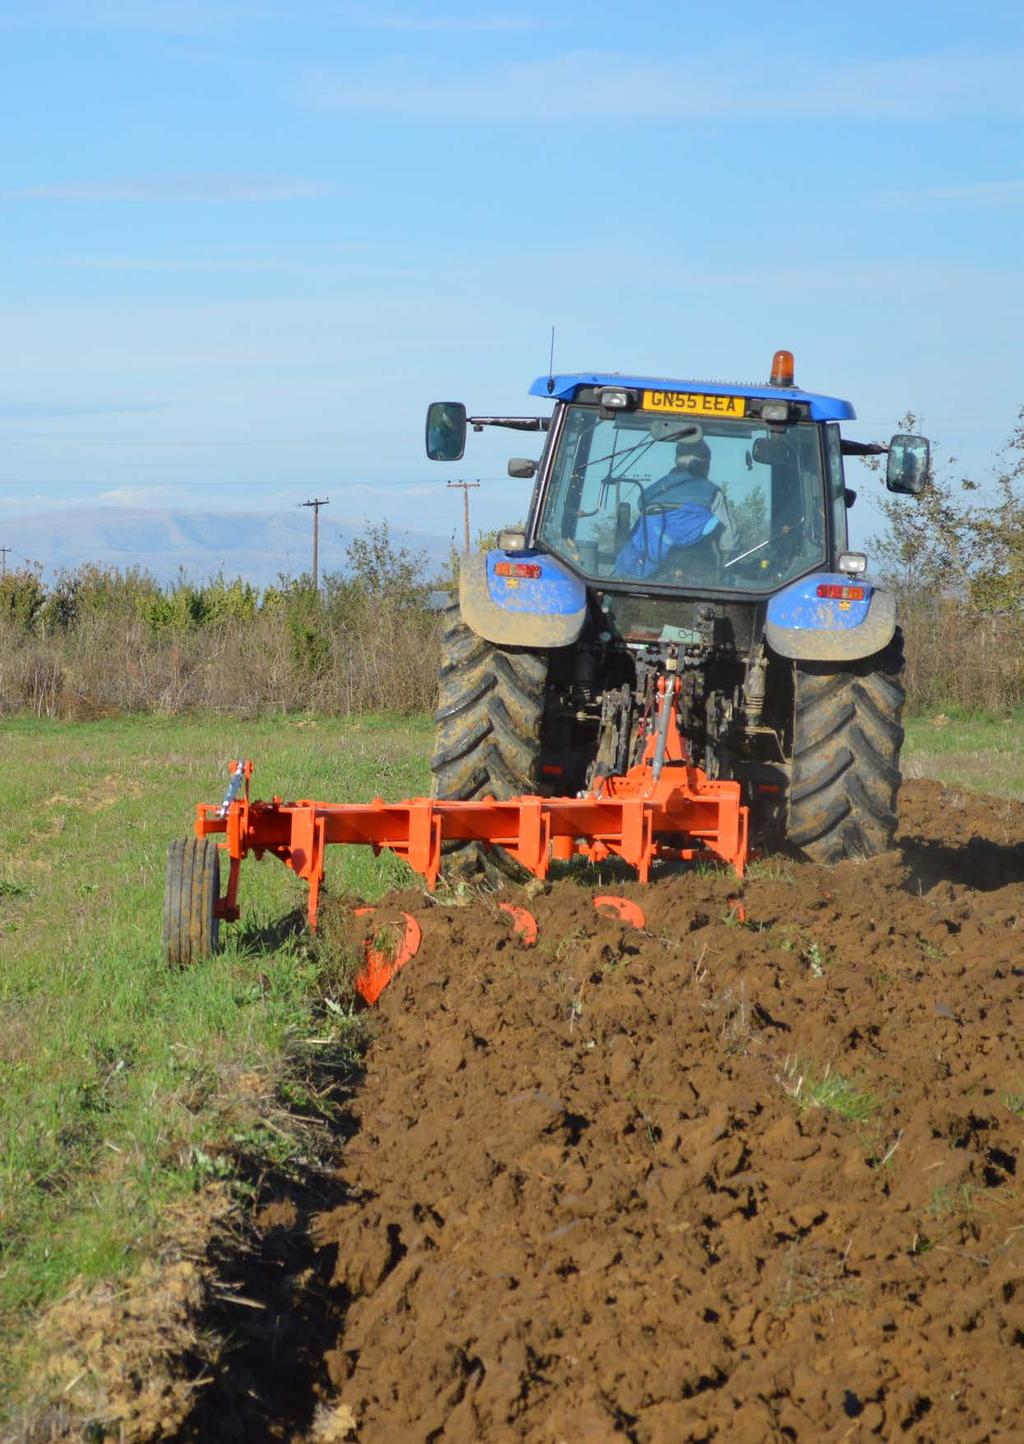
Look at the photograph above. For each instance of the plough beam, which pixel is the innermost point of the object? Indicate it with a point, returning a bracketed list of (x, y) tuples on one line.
[(664, 807)]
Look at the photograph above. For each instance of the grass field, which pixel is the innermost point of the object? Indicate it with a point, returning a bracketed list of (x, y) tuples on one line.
[(119, 1079), (116, 1074), (985, 754)]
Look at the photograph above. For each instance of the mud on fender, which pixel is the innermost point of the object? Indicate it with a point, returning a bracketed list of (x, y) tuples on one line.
[(821, 618), (521, 599)]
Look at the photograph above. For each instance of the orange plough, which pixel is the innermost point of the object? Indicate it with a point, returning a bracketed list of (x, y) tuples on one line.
[(663, 807)]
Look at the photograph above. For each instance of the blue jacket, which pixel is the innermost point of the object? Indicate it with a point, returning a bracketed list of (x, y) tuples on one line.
[(655, 536)]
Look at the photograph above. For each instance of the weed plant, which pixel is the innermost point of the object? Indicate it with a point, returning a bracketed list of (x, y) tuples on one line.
[(827, 1089)]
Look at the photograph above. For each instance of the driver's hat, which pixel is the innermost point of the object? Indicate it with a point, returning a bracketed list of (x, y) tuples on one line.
[(694, 455)]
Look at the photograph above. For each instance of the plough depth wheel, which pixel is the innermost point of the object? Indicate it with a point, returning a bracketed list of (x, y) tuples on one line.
[(191, 893)]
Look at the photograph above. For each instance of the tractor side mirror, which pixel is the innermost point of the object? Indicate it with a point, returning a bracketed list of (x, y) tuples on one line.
[(446, 430), (909, 465), (522, 466)]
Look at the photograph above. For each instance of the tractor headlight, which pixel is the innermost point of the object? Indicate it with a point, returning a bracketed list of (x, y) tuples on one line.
[(854, 564)]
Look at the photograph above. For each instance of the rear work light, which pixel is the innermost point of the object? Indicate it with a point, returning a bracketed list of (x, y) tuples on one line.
[(517, 569), (833, 592), (617, 398), (775, 411)]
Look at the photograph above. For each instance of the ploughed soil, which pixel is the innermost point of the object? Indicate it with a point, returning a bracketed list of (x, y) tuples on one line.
[(751, 1173)]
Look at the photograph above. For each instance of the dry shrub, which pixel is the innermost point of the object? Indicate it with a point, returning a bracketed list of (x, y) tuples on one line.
[(381, 656), (102, 642), (383, 659), (960, 658)]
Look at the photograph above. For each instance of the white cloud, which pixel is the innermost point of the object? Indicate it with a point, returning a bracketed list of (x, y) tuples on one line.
[(60, 410), (144, 496), (355, 489), (408, 21), (237, 260), (187, 18), (159, 17), (981, 193), (13, 503), (175, 189), (594, 86)]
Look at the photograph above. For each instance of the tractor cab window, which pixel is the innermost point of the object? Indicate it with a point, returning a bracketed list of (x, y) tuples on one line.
[(686, 502)]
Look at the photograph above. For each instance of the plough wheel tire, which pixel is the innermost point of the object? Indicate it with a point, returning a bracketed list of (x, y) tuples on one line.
[(846, 756), (191, 925), (489, 715)]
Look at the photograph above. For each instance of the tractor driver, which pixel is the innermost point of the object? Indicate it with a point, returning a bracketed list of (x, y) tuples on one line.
[(684, 523)]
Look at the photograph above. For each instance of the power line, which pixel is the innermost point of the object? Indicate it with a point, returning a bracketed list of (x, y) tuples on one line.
[(465, 487), (246, 482), (316, 504)]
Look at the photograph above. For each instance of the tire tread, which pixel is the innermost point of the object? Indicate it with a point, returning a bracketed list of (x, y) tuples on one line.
[(847, 737)]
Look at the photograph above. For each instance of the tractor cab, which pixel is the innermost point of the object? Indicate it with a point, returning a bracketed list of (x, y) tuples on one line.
[(688, 486), (701, 499)]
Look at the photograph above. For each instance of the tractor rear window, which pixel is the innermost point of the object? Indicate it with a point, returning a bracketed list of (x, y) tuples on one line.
[(686, 503)]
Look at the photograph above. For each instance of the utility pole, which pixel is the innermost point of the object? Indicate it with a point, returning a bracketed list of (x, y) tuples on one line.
[(465, 487), (316, 503), (3, 561)]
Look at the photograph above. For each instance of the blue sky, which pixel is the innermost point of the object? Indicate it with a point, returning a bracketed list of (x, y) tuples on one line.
[(243, 244)]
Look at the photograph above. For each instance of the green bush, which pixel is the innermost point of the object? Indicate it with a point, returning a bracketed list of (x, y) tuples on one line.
[(22, 598)]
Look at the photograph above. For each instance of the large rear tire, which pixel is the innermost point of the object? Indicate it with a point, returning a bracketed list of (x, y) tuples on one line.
[(847, 737), (489, 717)]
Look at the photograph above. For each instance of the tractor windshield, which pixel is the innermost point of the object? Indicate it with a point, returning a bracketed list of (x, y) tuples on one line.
[(689, 503)]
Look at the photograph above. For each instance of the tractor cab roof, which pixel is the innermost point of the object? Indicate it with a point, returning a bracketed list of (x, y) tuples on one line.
[(564, 388)]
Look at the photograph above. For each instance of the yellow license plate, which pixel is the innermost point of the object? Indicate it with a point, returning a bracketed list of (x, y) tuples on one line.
[(694, 403)]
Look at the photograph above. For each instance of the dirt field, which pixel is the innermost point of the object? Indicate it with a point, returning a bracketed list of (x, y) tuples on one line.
[(731, 1178)]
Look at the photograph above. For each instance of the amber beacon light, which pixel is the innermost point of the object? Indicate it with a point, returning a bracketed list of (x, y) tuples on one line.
[(782, 369)]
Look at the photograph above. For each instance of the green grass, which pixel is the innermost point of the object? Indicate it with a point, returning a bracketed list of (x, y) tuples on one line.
[(840, 1096), (118, 1076), (810, 1088), (983, 753), (948, 1200)]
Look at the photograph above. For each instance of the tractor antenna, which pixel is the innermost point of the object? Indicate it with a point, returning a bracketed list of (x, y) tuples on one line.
[(551, 363)]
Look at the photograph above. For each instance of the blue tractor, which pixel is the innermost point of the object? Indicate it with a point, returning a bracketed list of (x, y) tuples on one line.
[(697, 531)]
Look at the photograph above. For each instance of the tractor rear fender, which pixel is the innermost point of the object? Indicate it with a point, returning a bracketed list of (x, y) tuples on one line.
[(806, 624), (521, 599)]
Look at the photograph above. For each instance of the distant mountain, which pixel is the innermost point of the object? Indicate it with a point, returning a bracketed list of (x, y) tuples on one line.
[(251, 544)]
